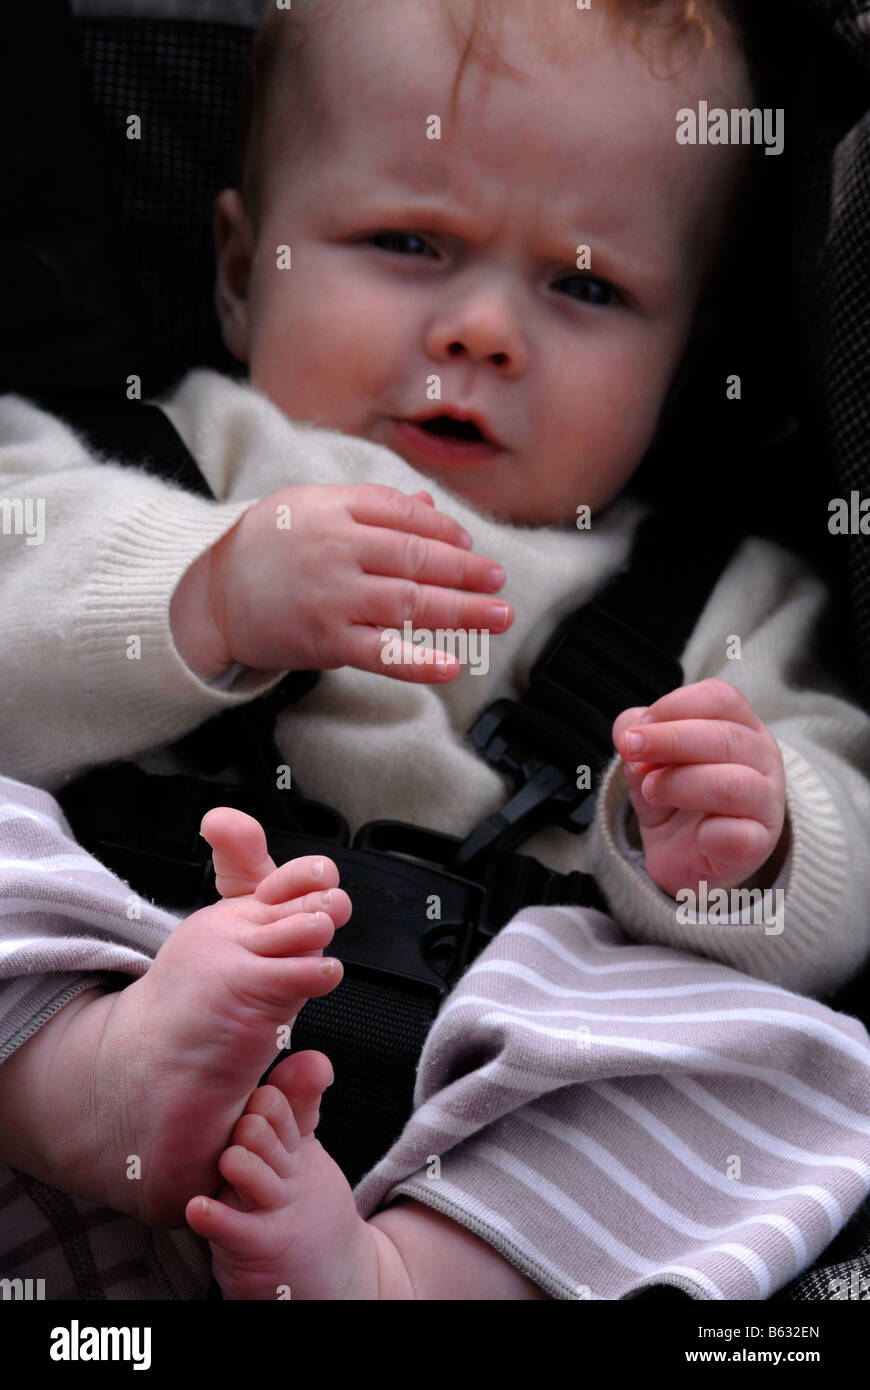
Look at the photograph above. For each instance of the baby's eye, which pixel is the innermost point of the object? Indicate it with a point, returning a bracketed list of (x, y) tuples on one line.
[(589, 290), (403, 243)]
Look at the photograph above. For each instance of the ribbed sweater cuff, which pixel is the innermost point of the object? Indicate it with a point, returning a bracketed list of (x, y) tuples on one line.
[(128, 596), (812, 954)]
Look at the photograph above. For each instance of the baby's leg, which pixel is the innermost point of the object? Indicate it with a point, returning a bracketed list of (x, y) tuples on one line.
[(286, 1226), (129, 1098)]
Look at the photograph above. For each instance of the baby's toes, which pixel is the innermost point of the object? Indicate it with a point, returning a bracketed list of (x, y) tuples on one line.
[(240, 854), (296, 877), (254, 1133), (254, 1188), (256, 1184), (281, 984), (295, 934), (302, 1079)]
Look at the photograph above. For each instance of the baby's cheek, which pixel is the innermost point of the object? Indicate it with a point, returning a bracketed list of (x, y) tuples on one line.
[(618, 415)]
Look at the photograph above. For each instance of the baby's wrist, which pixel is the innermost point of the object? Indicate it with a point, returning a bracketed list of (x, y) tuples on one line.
[(195, 632)]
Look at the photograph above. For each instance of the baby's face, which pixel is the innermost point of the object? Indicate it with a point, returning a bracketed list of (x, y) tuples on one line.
[(456, 258)]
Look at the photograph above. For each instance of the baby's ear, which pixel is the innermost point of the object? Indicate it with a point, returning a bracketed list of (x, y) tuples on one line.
[(234, 250)]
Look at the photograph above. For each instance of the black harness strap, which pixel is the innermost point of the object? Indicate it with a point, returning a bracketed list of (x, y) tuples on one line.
[(128, 431)]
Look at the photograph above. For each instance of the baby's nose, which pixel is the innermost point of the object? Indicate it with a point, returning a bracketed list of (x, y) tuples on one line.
[(484, 329)]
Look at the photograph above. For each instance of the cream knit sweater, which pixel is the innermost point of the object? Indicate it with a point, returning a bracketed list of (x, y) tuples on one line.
[(117, 542)]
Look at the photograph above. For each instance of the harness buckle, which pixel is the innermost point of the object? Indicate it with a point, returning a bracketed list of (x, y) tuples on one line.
[(543, 743)]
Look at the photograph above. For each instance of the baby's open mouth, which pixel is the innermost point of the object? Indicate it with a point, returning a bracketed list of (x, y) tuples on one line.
[(453, 429), (445, 439)]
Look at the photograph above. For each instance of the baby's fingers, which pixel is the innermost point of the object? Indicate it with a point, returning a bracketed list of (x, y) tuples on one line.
[(698, 741), (724, 789), (648, 815), (385, 653), (374, 504), (426, 560), (733, 842)]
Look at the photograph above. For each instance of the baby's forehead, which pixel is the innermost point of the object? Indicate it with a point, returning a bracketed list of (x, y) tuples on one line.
[(379, 81), (381, 44), (395, 67)]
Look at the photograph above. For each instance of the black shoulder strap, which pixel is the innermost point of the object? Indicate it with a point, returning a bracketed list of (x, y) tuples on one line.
[(135, 432)]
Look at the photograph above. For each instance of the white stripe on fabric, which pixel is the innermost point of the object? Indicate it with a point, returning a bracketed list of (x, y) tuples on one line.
[(55, 863), (652, 1201), (752, 1261), (579, 1216), (631, 958), (25, 813), (697, 1057), (802, 1023), (794, 1020), (519, 971), (760, 1137), (704, 1170), (100, 905)]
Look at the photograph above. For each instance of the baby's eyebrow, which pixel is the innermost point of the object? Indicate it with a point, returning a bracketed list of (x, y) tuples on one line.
[(611, 258), (646, 274), (426, 213)]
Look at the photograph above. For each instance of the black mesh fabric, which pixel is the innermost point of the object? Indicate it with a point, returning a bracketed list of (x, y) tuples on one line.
[(376, 1034), (184, 80), (830, 259), (109, 259)]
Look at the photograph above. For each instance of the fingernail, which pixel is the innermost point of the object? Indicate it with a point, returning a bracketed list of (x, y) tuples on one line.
[(326, 899), (648, 786), (498, 616), (635, 743), (465, 540), (317, 869), (495, 577), (328, 967)]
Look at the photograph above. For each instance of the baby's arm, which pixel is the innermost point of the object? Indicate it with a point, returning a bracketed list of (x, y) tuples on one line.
[(131, 594), (90, 669), (819, 874), (429, 1256)]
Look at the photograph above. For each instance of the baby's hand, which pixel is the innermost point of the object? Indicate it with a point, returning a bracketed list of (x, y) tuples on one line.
[(310, 574), (707, 784)]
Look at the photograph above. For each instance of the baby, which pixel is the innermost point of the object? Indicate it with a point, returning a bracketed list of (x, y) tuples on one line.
[(437, 222), (456, 257)]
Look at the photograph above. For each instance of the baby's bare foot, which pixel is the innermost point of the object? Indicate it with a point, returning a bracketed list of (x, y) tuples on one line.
[(182, 1048), (285, 1224)]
